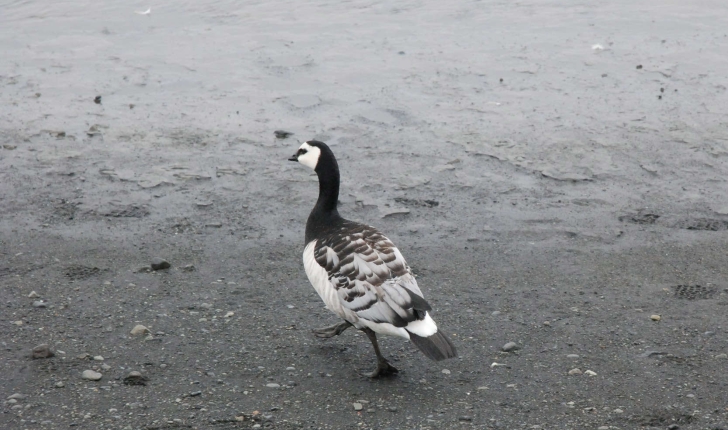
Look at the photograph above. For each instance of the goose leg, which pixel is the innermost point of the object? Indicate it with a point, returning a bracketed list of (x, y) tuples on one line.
[(334, 330), (383, 366)]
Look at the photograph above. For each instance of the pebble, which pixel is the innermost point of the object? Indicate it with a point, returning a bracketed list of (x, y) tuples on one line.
[(206, 306), (446, 371), (575, 372), (655, 317), (91, 375), (590, 373), (43, 351), (195, 393), (17, 396), (290, 368), (99, 358), (160, 264), (60, 384), (33, 295), (282, 134), (105, 367), (135, 378), (229, 314), (465, 418), (510, 346), (573, 356), (139, 329), (358, 406), (721, 356), (39, 304), (273, 385), (18, 322), (673, 427), (603, 428), (618, 411), (495, 313)]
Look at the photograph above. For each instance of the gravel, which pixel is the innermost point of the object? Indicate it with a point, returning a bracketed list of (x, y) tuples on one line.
[(43, 351), (91, 375), (139, 329), (160, 264), (510, 346)]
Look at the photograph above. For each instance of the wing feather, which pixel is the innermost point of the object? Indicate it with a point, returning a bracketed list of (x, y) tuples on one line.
[(370, 277)]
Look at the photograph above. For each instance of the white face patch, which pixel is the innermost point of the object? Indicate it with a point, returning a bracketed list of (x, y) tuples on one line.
[(310, 157)]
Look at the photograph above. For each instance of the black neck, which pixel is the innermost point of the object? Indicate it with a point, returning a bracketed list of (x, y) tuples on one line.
[(325, 215)]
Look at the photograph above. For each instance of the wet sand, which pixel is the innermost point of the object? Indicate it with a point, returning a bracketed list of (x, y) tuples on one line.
[(555, 174)]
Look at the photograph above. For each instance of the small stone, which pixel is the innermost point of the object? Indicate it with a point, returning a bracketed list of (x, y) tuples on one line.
[(495, 313), (17, 396), (510, 346), (99, 358), (139, 329), (18, 322), (290, 368), (91, 375), (574, 356), (392, 409), (273, 385), (575, 372), (229, 314), (105, 367), (33, 295), (446, 371), (603, 428), (465, 418), (547, 323), (618, 411), (673, 427), (135, 378), (43, 351), (721, 356), (97, 100), (188, 268), (282, 134), (206, 306), (655, 317), (358, 406), (39, 304), (195, 393), (60, 384), (590, 373), (160, 264)]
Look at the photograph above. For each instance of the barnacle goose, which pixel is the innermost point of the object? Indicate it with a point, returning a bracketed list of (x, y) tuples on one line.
[(359, 273)]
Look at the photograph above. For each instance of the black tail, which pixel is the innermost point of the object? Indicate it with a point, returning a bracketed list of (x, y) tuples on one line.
[(436, 347)]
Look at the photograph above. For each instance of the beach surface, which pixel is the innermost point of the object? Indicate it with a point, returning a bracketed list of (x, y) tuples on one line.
[(555, 173)]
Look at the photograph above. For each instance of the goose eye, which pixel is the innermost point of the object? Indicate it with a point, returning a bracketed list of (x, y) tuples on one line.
[(302, 151)]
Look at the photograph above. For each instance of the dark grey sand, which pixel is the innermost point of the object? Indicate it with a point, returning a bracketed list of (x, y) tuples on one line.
[(552, 171)]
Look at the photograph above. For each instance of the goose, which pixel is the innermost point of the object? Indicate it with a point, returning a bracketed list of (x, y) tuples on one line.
[(360, 275)]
